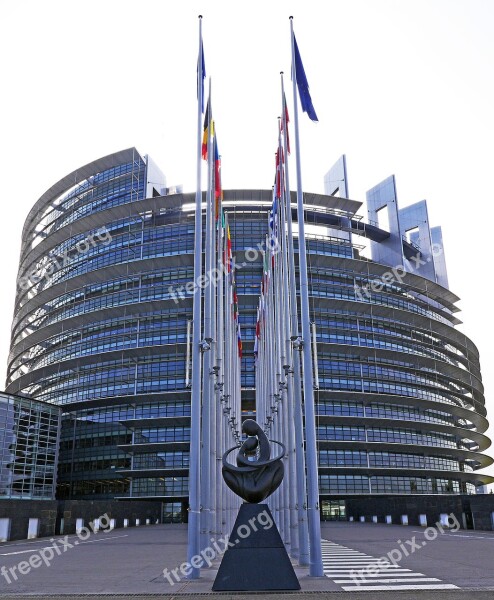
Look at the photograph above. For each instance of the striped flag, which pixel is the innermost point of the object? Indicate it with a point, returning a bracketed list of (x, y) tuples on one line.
[(218, 192), (205, 135)]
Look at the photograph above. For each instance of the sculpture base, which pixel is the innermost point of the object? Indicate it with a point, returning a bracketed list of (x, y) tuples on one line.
[(257, 561)]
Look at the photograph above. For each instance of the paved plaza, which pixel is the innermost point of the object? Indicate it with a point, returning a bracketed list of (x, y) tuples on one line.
[(131, 561)]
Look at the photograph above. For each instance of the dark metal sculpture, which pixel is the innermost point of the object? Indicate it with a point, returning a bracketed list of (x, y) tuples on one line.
[(256, 475), (257, 561)]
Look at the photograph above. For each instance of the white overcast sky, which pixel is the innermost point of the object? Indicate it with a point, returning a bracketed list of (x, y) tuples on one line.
[(402, 87)]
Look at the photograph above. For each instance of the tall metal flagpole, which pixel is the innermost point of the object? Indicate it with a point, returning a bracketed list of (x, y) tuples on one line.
[(316, 566), (193, 543), (288, 364), (205, 491), (303, 533), (220, 449), (214, 352)]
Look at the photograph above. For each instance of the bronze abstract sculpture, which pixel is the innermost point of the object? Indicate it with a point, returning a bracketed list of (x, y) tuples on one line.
[(257, 561), (256, 475)]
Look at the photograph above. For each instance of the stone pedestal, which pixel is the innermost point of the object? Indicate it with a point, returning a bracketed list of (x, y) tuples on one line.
[(256, 559)]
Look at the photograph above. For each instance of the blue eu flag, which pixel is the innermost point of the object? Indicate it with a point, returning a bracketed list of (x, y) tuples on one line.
[(303, 85)]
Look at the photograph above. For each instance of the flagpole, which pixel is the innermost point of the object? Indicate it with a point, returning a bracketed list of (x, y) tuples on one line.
[(220, 447), (205, 491), (282, 356), (297, 381), (227, 379), (288, 364), (193, 531), (316, 566)]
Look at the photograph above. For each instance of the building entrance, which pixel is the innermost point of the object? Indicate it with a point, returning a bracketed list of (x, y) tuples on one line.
[(333, 510)]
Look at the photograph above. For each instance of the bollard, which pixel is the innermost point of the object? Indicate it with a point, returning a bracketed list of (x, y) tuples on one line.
[(79, 525), (33, 529), (5, 530), (444, 520)]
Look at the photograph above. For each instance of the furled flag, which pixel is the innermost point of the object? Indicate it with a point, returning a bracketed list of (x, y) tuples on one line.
[(228, 254), (239, 338), (234, 298), (218, 193), (265, 282), (303, 85), (280, 184), (286, 120), (258, 331), (205, 135), (273, 225), (201, 58)]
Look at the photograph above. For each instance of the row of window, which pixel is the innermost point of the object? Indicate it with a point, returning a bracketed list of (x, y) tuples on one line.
[(128, 248), (162, 460), (96, 441), (361, 484), (355, 458), (100, 464), (384, 387), (112, 187), (353, 368), (147, 410), (387, 435), (95, 297), (92, 489), (385, 411), (352, 292), (180, 459), (166, 434), (135, 290), (165, 486)]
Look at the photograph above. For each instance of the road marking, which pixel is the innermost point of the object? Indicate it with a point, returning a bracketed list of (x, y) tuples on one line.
[(384, 588), (33, 550), (349, 572), (356, 571), (55, 538), (415, 580), (488, 536)]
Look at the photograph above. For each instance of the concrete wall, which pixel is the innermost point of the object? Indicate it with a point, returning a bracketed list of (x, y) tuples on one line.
[(59, 517), (472, 512), (482, 508), (20, 511), (71, 510)]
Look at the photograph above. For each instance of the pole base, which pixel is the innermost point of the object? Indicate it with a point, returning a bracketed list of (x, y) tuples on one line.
[(257, 560)]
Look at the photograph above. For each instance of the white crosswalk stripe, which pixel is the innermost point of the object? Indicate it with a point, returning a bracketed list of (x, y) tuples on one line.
[(356, 571)]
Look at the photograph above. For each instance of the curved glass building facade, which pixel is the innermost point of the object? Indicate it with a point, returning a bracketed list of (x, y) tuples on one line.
[(98, 330)]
